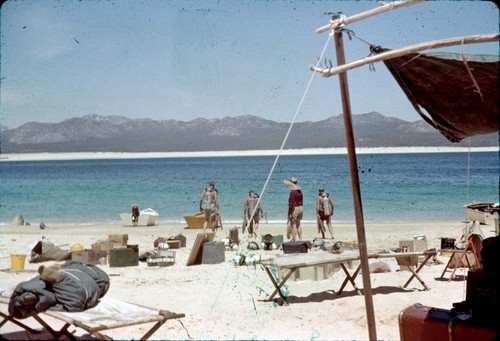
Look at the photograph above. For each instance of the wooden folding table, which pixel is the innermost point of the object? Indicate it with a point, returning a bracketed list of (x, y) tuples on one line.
[(293, 262)]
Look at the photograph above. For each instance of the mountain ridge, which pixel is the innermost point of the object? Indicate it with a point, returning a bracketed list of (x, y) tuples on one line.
[(96, 133)]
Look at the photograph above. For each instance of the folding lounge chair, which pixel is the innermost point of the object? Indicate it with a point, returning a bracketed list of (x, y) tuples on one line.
[(107, 315), (473, 247)]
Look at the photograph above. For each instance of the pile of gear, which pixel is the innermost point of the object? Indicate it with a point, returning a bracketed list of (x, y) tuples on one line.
[(72, 286)]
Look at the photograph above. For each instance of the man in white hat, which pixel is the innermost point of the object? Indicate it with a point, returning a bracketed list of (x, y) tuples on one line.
[(295, 209)]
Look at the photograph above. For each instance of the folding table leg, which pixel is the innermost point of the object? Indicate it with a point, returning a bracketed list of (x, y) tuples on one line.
[(447, 265), (415, 273), (349, 278), (460, 261), (278, 287)]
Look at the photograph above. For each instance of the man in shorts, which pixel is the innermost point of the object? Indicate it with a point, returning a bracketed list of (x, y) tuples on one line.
[(209, 204), (295, 208), (324, 212)]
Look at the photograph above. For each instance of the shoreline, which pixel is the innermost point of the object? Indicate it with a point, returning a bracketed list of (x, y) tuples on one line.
[(308, 151), (226, 223)]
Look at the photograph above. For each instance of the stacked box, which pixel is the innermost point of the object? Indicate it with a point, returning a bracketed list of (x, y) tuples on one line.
[(124, 256), (213, 253), (407, 246), (314, 273), (102, 246), (87, 256), (173, 244), (182, 239), (118, 239)]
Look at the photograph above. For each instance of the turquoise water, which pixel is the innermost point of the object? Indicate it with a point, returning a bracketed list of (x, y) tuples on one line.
[(394, 187)]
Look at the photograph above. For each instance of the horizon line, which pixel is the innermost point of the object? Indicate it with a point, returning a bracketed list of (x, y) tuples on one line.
[(50, 156)]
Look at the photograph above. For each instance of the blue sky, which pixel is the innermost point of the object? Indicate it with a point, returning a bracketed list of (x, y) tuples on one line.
[(187, 59)]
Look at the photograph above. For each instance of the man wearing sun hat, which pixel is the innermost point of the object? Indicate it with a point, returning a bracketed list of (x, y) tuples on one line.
[(295, 208)]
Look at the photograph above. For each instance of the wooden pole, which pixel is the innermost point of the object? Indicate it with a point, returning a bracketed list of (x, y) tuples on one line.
[(475, 39), (340, 21), (353, 169)]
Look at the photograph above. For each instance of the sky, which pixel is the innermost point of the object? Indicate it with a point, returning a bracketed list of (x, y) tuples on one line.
[(184, 60)]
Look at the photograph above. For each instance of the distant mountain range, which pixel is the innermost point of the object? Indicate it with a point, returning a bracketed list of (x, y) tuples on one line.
[(94, 133)]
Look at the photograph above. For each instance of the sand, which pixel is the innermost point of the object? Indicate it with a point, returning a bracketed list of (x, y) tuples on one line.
[(225, 301)]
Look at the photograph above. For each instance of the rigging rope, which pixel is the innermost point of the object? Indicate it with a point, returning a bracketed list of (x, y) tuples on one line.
[(268, 177), (288, 133)]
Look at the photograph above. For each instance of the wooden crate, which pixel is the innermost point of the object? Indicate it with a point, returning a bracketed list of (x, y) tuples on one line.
[(124, 256), (118, 239), (87, 256)]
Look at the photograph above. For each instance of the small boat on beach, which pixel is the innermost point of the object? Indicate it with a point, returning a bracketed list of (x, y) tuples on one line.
[(195, 220), (147, 217), (484, 212)]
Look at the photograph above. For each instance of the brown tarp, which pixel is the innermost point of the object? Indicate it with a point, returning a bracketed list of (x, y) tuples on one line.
[(460, 97)]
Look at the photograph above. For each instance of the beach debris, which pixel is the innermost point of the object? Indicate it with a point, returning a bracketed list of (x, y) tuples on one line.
[(246, 259), (253, 246), (163, 246), (45, 250), (379, 267), (76, 247), (148, 254), (42, 226), (18, 220), (318, 242)]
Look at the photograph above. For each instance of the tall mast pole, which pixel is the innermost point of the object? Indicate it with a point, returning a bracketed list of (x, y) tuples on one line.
[(356, 192)]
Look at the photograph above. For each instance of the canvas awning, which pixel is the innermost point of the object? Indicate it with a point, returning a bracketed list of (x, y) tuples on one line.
[(459, 93)]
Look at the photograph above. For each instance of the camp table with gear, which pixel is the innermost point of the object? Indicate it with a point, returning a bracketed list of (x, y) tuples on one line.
[(293, 262)]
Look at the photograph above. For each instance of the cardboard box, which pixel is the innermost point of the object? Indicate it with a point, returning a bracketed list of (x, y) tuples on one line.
[(173, 244), (213, 253), (314, 273), (118, 239), (87, 256), (124, 256), (182, 238), (102, 246), (407, 246)]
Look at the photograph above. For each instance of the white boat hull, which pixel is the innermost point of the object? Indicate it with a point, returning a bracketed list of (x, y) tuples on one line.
[(147, 217), (478, 212)]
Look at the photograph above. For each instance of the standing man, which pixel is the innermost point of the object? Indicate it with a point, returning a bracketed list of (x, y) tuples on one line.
[(295, 209), (248, 207), (209, 203), (324, 212)]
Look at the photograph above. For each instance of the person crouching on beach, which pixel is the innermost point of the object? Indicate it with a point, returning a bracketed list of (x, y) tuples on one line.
[(209, 204), (295, 209)]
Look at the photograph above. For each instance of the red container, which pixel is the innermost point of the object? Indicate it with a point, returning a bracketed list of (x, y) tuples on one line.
[(419, 322)]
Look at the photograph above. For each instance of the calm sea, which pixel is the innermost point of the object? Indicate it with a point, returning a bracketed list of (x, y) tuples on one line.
[(394, 187)]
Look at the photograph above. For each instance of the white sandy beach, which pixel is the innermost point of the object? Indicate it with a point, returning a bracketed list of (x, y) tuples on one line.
[(225, 301), (307, 151)]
